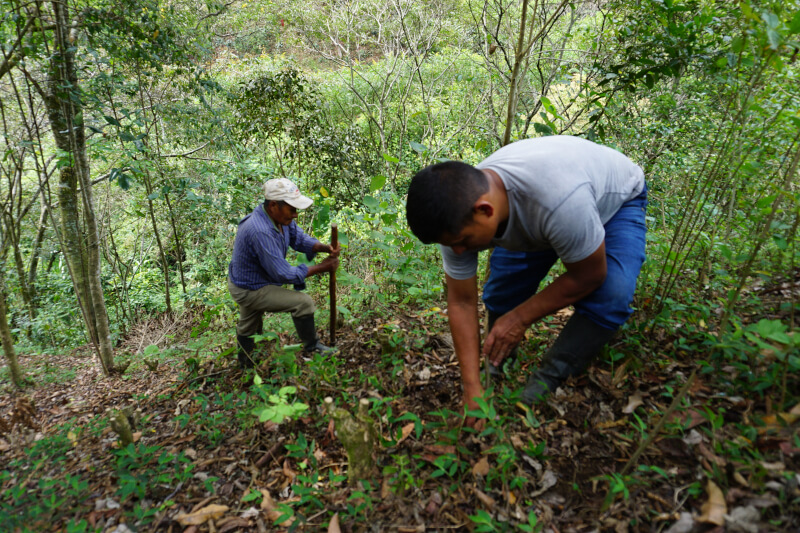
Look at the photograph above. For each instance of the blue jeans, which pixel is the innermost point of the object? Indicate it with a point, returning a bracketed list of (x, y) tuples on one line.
[(515, 276)]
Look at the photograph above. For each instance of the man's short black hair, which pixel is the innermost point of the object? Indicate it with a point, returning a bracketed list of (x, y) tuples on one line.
[(440, 199)]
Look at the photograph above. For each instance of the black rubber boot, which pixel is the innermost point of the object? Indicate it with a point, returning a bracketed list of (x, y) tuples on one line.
[(496, 374), (570, 355), (246, 347), (307, 332)]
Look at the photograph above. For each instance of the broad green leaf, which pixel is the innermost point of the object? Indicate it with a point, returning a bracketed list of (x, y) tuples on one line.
[(377, 183), (324, 192), (794, 26), (370, 202), (390, 159), (257, 379), (774, 39), (417, 147)]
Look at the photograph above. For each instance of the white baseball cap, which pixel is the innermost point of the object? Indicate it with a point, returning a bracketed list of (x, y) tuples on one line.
[(282, 189)]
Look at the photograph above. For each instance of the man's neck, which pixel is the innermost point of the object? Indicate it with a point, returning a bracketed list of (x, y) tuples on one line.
[(498, 195)]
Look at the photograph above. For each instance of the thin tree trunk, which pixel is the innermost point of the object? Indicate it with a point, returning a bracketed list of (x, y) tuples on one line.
[(178, 244), (71, 237), (157, 235), (6, 338), (33, 265), (519, 54), (66, 120)]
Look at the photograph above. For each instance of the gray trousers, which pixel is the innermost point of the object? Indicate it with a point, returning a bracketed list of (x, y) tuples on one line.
[(267, 299)]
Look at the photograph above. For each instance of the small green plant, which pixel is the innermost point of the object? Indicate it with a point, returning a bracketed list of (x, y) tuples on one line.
[(146, 470), (618, 485), (279, 406), (533, 524)]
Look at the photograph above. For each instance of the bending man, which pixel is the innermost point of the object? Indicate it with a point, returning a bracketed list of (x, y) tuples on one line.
[(259, 268), (536, 201)]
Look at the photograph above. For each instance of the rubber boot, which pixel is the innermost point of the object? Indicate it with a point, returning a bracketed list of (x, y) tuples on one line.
[(570, 355), (496, 374), (246, 348), (307, 332)]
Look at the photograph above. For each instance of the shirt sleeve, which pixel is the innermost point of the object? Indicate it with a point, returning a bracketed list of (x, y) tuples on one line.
[(300, 241), (575, 230), (278, 269), (462, 266)]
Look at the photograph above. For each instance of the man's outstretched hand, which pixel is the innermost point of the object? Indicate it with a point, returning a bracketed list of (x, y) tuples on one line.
[(506, 333)]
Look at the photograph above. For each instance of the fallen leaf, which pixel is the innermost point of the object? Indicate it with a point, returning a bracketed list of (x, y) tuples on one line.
[(685, 524), (709, 455), (776, 422), (714, 509), (440, 449), (406, 431), (482, 467), (434, 503), (516, 442), (688, 419), (250, 512), (288, 472), (633, 402), (511, 498), (233, 523), (201, 516), (333, 525), (487, 500), (743, 519), (549, 479), (271, 508)]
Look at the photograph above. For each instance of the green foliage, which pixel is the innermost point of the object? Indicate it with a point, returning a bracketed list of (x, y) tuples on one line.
[(31, 503), (148, 470), (278, 406)]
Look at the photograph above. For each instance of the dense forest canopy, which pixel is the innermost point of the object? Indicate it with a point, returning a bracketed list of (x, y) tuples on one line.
[(136, 134)]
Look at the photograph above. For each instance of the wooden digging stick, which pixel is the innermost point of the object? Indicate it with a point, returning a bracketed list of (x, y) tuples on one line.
[(334, 243)]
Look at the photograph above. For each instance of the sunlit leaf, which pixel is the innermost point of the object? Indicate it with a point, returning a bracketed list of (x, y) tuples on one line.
[(377, 183), (201, 516), (715, 508), (417, 147)]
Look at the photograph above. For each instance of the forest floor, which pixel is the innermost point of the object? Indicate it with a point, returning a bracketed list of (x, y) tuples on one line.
[(646, 443)]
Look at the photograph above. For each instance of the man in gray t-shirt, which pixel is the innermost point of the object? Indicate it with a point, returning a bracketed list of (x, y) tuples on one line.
[(535, 201)]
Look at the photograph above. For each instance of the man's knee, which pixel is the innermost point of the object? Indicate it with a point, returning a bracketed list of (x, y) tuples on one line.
[(610, 305), (304, 306)]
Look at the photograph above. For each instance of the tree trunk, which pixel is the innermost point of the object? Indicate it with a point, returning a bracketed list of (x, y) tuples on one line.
[(6, 338), (519, 54), (66, 119), (71, 243), (33, 265)]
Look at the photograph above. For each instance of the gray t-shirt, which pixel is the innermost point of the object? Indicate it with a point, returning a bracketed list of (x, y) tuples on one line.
[(561, 191)]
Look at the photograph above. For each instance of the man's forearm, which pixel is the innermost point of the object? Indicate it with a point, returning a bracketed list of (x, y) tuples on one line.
[(580, 280), (466, 341), (563, 291)]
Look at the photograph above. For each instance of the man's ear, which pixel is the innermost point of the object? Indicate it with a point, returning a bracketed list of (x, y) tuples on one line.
[(483, 207)]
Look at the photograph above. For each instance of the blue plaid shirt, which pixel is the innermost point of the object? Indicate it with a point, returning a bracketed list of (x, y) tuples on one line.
[(259, 252)]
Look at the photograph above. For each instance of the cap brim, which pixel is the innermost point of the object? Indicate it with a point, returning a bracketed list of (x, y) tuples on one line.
[(301, 202)]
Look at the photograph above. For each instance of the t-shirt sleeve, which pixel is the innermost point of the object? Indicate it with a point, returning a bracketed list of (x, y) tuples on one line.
[(574, 229), (463, 266)]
